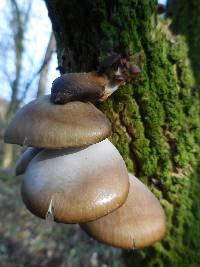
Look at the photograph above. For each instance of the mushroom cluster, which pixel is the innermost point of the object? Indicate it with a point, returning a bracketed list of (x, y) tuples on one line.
[(74, 173)]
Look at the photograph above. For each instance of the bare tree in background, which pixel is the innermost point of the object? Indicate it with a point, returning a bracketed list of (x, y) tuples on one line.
[(45, 67), (17, 20), (18, 23), (14, 66)]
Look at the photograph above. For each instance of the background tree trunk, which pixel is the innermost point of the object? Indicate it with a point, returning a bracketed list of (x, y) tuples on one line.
[(186, 21), (7, 156), (18, 22), (155, 119), (51, 47)]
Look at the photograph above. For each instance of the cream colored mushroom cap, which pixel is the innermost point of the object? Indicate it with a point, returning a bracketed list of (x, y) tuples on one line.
[(138, 223), (76, 185), (25, 158), (45, 125)]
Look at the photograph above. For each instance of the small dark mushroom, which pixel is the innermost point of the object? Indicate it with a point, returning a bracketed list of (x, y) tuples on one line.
[(113, 72), (78, 87)]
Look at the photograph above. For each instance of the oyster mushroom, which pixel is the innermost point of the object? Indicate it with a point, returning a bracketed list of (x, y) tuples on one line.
[(98, 85), (42, 124), (138, 223), (77, 185), (78, 86)]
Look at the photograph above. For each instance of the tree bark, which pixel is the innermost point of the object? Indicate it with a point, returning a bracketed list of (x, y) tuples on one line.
[(7, 156), (51, 47), (18, 22), (155, 119), (186, 21)]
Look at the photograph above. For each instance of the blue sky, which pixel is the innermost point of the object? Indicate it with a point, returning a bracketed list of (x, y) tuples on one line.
[(36, 41)]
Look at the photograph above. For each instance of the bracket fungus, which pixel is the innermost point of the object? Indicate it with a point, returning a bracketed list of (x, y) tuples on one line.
[(79, 182), (42, 124), (138, 223), (113, 72), (73, 172)]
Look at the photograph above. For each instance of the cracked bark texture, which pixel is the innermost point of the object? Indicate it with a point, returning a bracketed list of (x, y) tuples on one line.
[(155, 120)]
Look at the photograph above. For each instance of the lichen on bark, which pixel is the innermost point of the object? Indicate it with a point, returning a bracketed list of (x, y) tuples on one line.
[(155, 119)]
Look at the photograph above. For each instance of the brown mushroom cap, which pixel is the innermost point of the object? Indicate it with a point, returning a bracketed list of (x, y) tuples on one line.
[(76, 185), (138, 223), (78, 87), (25, 158), (45, 125)]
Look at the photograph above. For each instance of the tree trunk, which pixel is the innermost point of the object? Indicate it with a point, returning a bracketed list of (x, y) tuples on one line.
[(51, 47), (7, 156), (18, 24), (155, 119), (186, 21)]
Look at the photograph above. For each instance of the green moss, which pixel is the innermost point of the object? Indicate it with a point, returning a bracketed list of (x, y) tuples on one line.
[(152, 128), (186, 21)]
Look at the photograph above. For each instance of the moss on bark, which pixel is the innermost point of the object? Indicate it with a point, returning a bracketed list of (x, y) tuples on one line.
[(185, 16), (155, 119)]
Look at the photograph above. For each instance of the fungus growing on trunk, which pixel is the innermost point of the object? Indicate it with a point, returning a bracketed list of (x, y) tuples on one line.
[(72, 172), (138, 223), (98, 85), (83, 184), (42, 124)]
